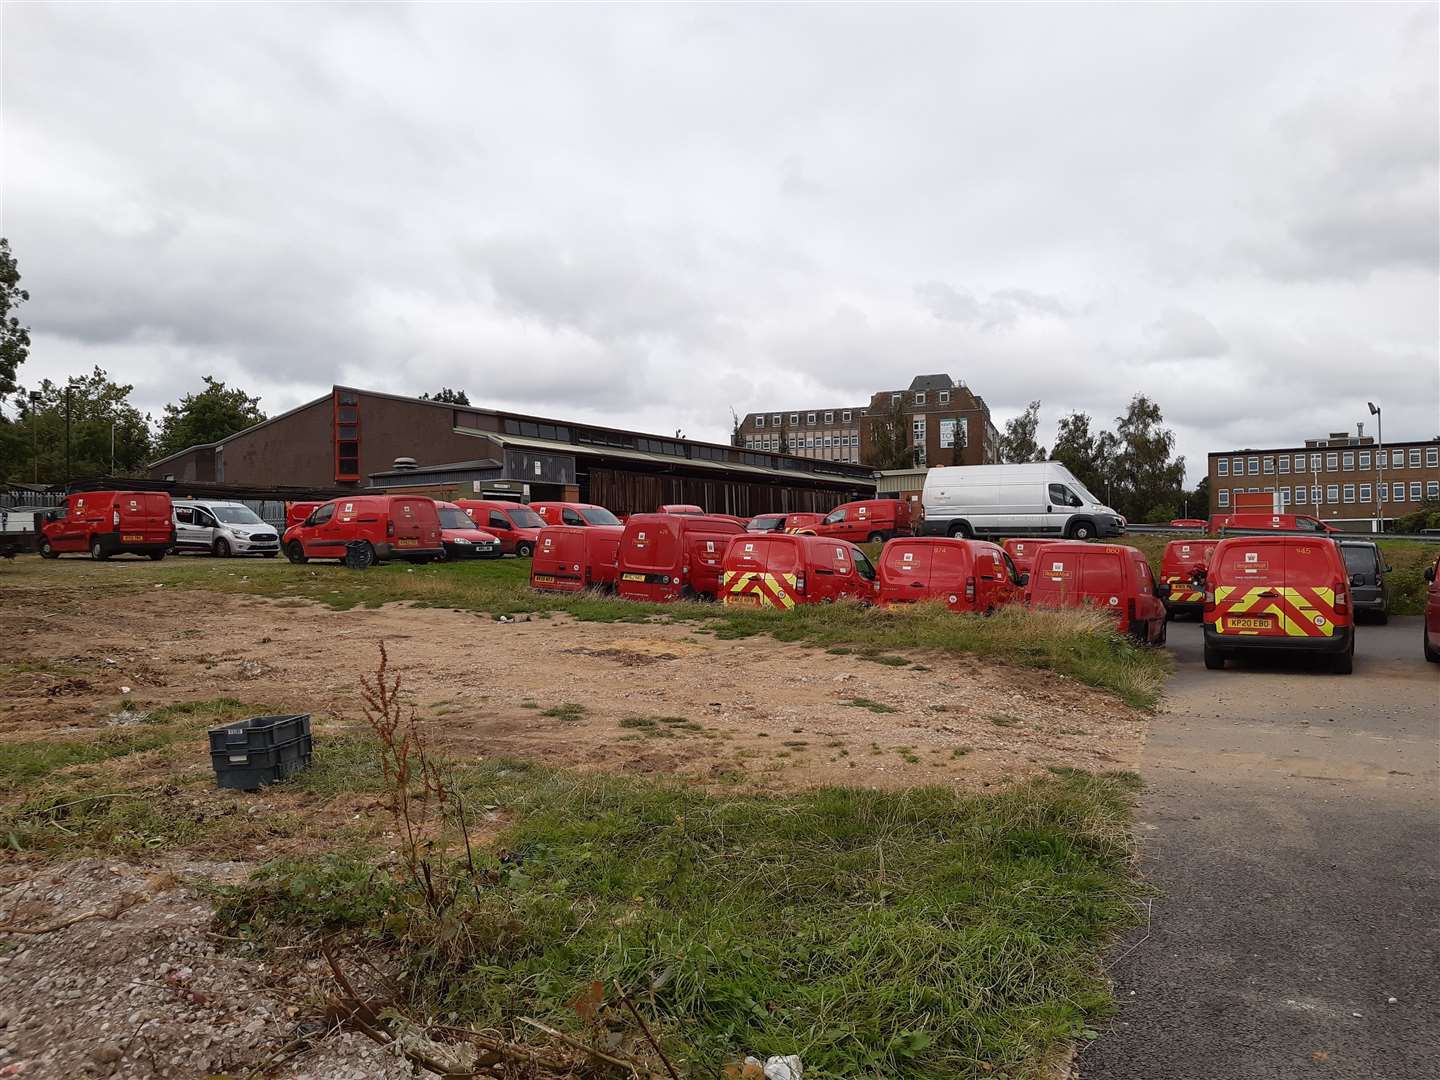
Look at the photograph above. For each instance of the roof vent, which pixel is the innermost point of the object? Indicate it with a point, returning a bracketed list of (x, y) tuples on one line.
[(404, 464)]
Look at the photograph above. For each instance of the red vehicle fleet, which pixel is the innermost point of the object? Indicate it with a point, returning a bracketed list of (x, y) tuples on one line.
[(106, 523), (392, 526), (1113, 577), (665, 557), (570, 558), (781, 570)]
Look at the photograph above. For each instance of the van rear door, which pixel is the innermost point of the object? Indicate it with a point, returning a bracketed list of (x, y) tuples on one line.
[(1103, 581), (409, 519), (951, 569), (1250, 580)]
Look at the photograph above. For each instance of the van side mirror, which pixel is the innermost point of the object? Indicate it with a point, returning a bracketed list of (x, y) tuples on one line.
[(1025, 578)]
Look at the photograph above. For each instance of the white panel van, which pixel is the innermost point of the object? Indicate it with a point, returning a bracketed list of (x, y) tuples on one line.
[(1041, 498)]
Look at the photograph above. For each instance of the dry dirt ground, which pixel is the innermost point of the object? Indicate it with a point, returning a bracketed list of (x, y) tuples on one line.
[(150, 992)]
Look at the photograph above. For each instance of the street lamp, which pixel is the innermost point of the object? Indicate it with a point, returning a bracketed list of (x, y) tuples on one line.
[(1379, 466)]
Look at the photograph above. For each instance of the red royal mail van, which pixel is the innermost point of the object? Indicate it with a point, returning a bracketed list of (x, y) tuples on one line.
[(965, 575), (1022, 550), (570, 558), (106, 523), (461, 539), (517, 527), (395, 527), (297, 512), (869, 521), (1278, 593), (568, 513), (1110, 576), (1431, 630), (1177, 569), (780, 570), (664, 557), (803, 523)]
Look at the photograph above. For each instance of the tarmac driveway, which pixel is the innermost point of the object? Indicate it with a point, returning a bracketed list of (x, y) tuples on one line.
[(1292, 828)]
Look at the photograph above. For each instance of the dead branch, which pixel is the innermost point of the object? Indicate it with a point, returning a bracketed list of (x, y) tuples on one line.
[(644, 1027), (124, 904)]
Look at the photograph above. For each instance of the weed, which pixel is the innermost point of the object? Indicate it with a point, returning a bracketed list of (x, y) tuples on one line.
[(838, 650), (795, 744), (961, 751), (637, 722), (569, 711), (1001, 720), (886, 659), (867, 703)]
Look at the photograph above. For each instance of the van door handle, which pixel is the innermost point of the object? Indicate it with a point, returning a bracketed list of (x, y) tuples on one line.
[(1269, 594), (917, 584)]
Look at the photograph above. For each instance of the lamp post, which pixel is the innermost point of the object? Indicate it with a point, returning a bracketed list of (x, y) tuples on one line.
[(1379, 466)]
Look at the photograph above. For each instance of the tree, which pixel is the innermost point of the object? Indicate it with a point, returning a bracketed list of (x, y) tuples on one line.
[(446, 396), (14, 338), (1089, 455), (213, 414), (1018, 443), (890, 437), (99, 411), (1147, 480)]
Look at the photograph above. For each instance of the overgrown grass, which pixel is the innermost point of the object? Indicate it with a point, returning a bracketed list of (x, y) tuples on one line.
[(1081, 645), (919, 933)]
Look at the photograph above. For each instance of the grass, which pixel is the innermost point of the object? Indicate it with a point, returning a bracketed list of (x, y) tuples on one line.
[(568, 711), (867, 703), (1080, 645), (918, 933), (1001, 720)]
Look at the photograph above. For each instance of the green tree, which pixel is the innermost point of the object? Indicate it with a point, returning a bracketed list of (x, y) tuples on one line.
[(447, 396), (1088, 454), (1147, 480), (213, 414), (100, 411), (890, 437), (14, 337), (1018, 443)]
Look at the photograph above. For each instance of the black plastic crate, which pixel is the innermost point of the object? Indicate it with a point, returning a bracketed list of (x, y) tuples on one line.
[(260, 751)]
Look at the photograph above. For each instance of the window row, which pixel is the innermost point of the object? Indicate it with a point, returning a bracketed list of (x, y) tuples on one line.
[(1339, 494), (1333, 461), (784, 444), (810, 418), (942, 397)]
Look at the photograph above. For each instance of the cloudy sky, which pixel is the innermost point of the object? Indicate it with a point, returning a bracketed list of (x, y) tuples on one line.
[(648, 215)]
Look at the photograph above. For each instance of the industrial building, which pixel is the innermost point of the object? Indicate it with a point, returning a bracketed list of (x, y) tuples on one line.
[(353, 439)]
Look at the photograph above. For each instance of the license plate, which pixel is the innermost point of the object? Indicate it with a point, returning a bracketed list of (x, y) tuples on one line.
[(407, 543), (545, 579), (743, 600), (632, 577), (1248, 624), (132, 539)]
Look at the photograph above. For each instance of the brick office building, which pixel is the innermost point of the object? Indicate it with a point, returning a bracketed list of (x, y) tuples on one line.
[(949, 425), (352, 438), (1343, 478)]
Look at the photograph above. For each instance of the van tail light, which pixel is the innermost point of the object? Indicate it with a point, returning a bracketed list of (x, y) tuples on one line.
[(1209, 597), (1342, 595), (389, 526), (115, 518), (799, 583), (970, 589)]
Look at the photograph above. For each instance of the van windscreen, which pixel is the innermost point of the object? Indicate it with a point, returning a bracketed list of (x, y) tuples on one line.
[(522, 517), (236, 515), (1359, 560), (598, 515), (455, 519)]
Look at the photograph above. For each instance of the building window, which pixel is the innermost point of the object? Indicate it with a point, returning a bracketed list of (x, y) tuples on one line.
[(1284, 496), (1415, 458), (1349, 493), (1224, 496), (1300, 496), (944, 397), (1432, 489), (829, 418), (1284, 463), (794, 418), (775, 420), (1398, 493), (920, 398), (1315, 494), (1384, 490), (1414, 490), (1269, 466), (759, 421), (917, 427), (1366, 492), (825, 442), (1432, 456), (1222, 467), (1314, 462), (1364, 460), (895, 397), (1238, 468), (347, 435), (1332, 462), (810, 419), (1253, 466), (1349, 460), (845, 416), (1332, 494)]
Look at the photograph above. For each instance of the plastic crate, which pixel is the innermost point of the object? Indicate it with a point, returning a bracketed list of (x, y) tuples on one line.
[(261, 750)]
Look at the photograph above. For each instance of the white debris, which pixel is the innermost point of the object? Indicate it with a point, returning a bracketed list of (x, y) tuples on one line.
[(778, 1068)]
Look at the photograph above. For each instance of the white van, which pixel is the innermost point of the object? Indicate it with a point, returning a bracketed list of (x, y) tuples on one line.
[(1042, 498), (223, 528)]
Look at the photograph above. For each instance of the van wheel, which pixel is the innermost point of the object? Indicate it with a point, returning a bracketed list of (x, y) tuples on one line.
[(876, 538), (1214, 659), (295, 553), (1381, 618), (444, 554), (222, 548), (960, 531), (1433, 655), (1082, 530), (1164, 631), (1343, 664), (156, 556), (98, 552), (48, 552), (524, 551)]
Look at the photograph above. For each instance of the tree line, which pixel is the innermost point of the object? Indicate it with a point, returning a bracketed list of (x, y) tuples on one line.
[(1132, 468)]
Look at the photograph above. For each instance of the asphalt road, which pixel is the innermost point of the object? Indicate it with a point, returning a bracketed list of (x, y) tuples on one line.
[(1292, 829)]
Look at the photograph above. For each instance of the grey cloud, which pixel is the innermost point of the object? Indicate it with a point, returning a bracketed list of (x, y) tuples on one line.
[(1002, 308), (1181, 333)]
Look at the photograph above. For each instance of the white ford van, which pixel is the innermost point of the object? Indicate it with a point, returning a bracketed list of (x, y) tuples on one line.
[(223, 528), (1036, 499)]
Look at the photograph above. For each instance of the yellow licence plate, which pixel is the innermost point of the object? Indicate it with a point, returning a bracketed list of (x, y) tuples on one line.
[(132, 539), (545, 579), (743, 599), (632, 577), (406, 543), (1248, 624)]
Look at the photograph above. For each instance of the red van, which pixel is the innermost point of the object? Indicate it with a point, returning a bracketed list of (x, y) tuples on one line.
[(1110, 576), (570, 558), (680, 508), (461, 539), (395, 526), (1223, 523), (967, 575), (106, 523), (868, 521), (1187, 523), (1278, 592), (1177, 569), (664, 557), (572, 513), (296, 512), (780, 570), (516, 526), (1431, 629), (803, 523)]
